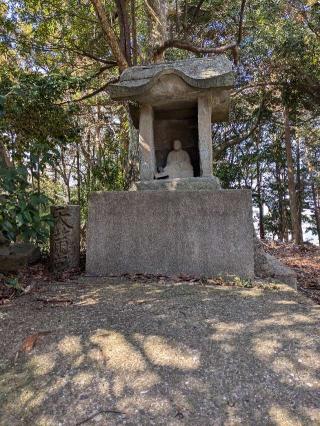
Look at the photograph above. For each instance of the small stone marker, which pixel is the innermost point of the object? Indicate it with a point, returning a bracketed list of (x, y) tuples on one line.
[(65, 238)]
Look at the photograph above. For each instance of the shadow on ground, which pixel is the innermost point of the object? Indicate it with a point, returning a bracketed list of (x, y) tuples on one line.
[(132, 353)]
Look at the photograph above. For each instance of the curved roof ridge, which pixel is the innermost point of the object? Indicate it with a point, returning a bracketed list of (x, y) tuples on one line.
[(201, 73)]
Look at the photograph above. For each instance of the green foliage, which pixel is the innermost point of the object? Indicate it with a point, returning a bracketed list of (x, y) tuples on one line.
[(242, 282), (31, 111), (22, 211)]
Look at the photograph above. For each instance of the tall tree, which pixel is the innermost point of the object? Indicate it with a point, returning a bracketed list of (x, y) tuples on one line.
[(294, 208)]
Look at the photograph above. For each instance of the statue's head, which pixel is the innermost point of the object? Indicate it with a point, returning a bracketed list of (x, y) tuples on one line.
[(177, 145)]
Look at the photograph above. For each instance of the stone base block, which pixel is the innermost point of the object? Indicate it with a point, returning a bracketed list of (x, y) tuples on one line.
[(163, 232)]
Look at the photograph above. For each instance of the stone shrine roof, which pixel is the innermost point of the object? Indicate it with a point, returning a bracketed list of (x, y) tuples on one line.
[(199, 73)]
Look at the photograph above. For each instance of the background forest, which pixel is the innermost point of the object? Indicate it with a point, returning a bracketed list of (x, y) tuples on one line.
[(61, 136)]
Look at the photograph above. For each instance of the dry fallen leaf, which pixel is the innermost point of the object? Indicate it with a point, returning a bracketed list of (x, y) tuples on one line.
[(29, 342)]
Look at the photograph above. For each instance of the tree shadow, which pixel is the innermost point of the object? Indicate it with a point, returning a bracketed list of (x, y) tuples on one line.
[(164, 354)]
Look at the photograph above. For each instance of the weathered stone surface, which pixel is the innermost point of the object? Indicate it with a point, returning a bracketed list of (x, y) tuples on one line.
[(146, 143), (205, 135), (179, 184), (17, 256), (65, 238), (193, 232), (267, 266), (199, 73)]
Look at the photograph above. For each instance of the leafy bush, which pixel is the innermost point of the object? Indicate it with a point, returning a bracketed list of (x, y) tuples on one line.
[(23, 211)]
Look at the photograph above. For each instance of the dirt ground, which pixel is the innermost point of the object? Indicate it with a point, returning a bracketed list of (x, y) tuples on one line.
[(304, 260), (119, 351)]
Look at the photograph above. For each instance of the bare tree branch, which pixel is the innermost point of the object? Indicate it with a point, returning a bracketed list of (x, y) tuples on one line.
[(91, 94), (191, 48), (99, 72), (254, 86), (234, 47), (94, 57)]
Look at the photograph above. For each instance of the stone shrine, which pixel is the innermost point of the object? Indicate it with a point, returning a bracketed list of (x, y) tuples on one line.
[(176, 219)]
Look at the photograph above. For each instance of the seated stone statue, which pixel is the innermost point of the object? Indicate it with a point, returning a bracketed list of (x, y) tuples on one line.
[(178, 163)]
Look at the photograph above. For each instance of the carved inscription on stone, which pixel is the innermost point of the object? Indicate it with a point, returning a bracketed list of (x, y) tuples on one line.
[(65, 238)]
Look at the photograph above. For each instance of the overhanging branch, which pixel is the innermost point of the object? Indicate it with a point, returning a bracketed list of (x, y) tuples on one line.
[(91, 94), (191, 48)]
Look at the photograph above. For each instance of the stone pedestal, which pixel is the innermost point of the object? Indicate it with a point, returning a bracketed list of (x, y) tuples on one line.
[(167, 232), (209, 183), (65, 238)]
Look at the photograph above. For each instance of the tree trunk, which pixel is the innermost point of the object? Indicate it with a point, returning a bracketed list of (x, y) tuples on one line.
[(260, 203), (294, 211), (259, 192), (312, 163), (316, 207), (4, 156), (55, 180), (134, 33), (38, 177), (300, 186), (158, 24), (281, 224), (110, 35), (78, 174), (125, 42), (68, 192)]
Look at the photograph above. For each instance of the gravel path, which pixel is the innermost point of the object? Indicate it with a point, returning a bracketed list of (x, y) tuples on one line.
[(122, 352)]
